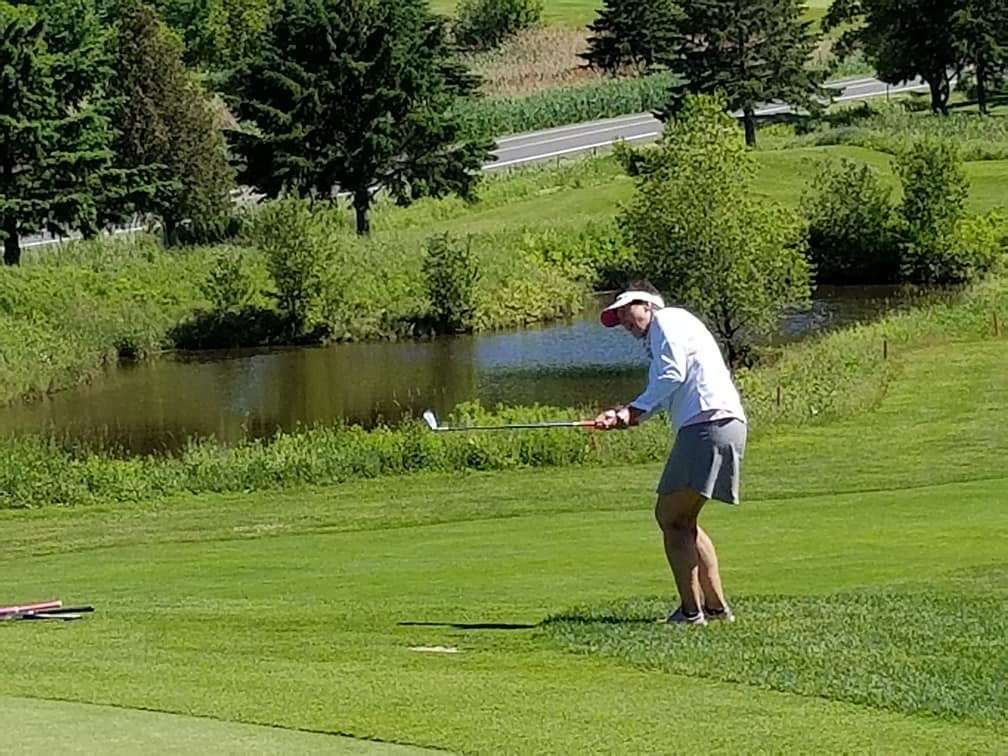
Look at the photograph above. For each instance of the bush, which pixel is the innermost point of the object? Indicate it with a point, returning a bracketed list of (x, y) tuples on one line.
[(705, 238), (487, 23), (966, 253), (935, 186), (229, 285), (851, 232), (450, 274), (303, 246)]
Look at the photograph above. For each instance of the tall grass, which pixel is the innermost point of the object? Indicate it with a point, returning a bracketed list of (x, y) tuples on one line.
[(891, 128), (69, 310), (534, 59), (603, 98), (842, 373)]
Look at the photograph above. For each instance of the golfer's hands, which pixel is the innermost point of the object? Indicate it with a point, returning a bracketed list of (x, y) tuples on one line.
[(618, 417)]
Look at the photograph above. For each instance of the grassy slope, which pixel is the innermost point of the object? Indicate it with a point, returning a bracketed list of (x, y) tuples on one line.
[(284, 609), (83, 728), (582, 12), (599, 195)]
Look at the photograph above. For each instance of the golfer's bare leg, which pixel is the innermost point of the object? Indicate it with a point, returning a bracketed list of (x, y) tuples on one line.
[(710, 576), (676, 513)]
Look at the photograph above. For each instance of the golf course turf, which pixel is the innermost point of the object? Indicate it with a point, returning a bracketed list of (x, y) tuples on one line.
[(866, 563)]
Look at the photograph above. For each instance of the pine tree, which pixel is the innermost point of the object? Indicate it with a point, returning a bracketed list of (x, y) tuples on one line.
[(981, 28), (903, 39), (751, 51), (355, 95), (631, 33), (166, 127), (53, 148), (78, 35)]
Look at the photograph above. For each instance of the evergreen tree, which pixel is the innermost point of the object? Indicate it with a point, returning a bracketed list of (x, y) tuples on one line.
[(631, 33), (166, 126), (752, 52), (355, 95), (52, 147), (78, 38), (903, 39), (981, 28)]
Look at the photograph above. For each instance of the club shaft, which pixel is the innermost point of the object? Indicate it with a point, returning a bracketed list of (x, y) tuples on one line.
[(39, 606), (519, 426)]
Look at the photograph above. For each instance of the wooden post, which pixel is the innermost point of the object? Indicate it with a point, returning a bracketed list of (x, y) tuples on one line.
[(885, 349), (778, 396)]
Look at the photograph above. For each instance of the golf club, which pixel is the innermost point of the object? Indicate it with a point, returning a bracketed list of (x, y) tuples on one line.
[(431, 419), (38, 606), (63, 613)]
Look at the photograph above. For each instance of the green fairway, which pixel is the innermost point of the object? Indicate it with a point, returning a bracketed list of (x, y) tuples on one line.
[(782, 175), (867, 563), (558, 12), (83, 728), (582, 12)]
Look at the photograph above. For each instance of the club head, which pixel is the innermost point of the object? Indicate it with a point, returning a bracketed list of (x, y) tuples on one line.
[(430, 419)]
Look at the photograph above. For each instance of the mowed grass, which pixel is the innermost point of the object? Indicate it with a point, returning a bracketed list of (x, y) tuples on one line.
[(583, 12), (782, 175), (867, 564), (84, 728)]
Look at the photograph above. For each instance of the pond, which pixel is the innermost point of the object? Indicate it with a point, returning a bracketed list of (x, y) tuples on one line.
[(161, 403)]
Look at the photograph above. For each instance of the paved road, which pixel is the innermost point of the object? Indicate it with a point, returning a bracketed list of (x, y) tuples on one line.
[(550, 144)]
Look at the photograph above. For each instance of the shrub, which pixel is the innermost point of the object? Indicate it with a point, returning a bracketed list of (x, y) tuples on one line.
[(970, 250), (851, 233), (891, 128), (934, 248), (487, 23), (229, 285), (451, 274), (935, 186), (302, 246), (705, 238)]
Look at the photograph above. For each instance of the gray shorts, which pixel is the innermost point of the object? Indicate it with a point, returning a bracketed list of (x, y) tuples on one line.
[(707, 457)]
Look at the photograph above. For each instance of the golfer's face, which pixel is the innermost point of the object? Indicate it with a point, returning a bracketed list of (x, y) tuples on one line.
[(635, 318)]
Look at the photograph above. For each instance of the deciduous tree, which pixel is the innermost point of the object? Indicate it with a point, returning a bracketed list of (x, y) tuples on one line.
[(704, 237)]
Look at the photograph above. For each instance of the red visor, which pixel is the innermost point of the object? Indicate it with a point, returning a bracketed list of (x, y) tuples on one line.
[(610, 318)]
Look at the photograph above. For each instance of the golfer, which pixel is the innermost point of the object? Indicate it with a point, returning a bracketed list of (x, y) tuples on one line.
[(689, 380)]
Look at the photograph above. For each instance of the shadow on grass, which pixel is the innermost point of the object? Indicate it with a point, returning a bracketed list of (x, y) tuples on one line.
[(606, 619), (473, 625)]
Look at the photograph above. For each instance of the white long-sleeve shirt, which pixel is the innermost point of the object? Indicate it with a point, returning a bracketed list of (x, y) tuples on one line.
[(687, 377)]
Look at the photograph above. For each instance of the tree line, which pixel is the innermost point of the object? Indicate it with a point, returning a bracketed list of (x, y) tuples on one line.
[(113, 109)]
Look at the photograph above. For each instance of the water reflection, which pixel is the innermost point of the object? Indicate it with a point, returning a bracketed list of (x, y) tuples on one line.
[(158, 405)]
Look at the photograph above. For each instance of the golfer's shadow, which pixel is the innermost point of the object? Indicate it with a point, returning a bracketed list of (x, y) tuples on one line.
[(605, 619), (473, 625)]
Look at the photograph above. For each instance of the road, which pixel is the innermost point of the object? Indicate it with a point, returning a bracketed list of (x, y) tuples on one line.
[(538, 146), (550, 144)]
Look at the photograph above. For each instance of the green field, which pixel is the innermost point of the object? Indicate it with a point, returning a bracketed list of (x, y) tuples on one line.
[(783, 175), (867, 563), (582, 12)]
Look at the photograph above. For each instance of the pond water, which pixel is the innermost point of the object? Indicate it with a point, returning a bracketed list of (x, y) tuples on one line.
[(158, 404)]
